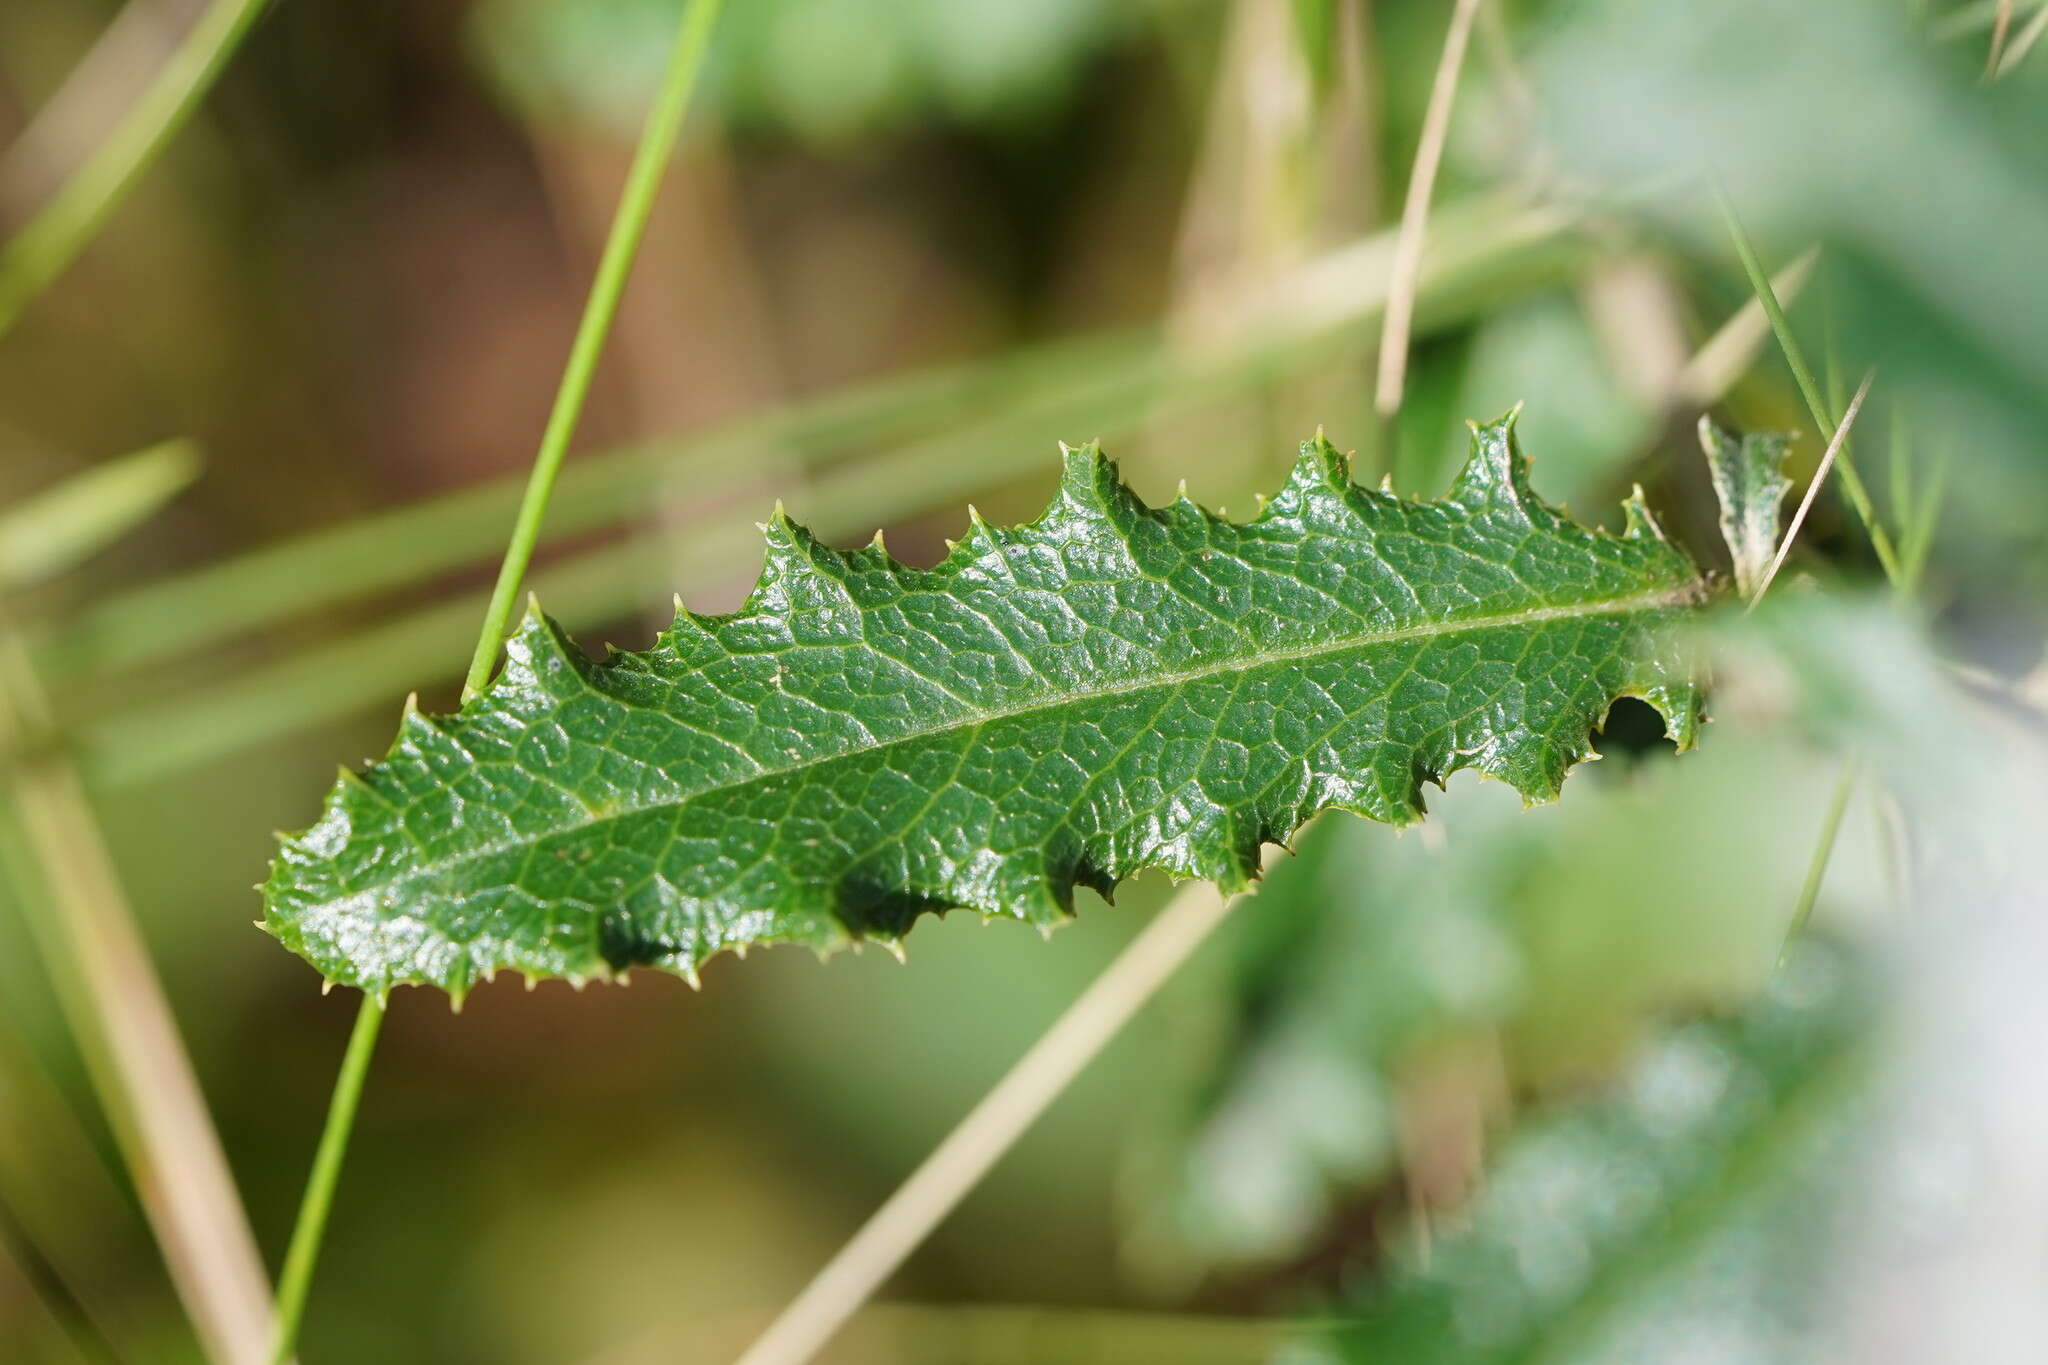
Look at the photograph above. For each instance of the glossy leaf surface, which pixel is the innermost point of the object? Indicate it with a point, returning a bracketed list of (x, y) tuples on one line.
[(1111, 688)]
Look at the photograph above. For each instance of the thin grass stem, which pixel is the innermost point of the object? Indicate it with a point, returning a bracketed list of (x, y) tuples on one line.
[(1407, 266), (115, 1005), (1926, 516), (1809, 389), (300, 1258), (629, 225), (2000, 23), (2023, 44), (1714, 368), (1823, 853), (1900, 443), (35, 256), (1827, 461), (87, 1338), (990, 1129)]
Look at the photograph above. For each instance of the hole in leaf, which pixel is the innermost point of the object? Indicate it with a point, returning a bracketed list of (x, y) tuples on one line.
[(1633, 728)]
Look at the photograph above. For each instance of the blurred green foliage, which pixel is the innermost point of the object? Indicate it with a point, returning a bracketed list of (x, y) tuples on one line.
[(829, 71), (1690, 1209)]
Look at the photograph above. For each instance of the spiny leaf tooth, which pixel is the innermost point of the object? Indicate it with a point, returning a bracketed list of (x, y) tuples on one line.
[(894, 948), (538, 650), (980, 537), (687, 629), (1497, 471), (417, 727), (1318, 476), (1088, 480), (1642, 524)]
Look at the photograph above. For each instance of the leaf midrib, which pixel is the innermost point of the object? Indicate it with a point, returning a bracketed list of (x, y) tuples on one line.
[(1613, 606)]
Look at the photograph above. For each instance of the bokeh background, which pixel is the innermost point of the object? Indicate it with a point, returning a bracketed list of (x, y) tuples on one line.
[(907, 246)]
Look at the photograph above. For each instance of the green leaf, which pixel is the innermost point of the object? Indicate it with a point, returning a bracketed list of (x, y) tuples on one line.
[(1698, 1201), (1111, 688), (1369, 963), (1749, 479)]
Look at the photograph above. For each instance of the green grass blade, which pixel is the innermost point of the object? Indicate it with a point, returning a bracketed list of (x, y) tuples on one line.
[(65, 525), (35, 256), (1809, 388), (202, 609)]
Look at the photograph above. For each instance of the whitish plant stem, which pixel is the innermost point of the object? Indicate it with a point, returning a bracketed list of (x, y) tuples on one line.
[(52, 240), (959, 1162), (2023, 44), (1827, 460), (1999, 24), (1809, 389), (1407, 266), (115, 1004), (629, 225)]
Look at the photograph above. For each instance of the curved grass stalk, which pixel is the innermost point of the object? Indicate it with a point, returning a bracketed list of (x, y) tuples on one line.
[(115, 1005), (629, 225), (34, 257), (991, 1128)]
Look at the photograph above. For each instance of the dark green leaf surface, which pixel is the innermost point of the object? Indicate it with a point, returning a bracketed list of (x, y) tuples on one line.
[(1111, 688)]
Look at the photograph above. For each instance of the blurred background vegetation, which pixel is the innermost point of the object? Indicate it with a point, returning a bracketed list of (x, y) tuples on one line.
[(906, 247)]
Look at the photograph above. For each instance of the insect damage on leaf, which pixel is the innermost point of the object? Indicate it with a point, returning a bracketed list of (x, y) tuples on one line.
[(1110, 688)]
